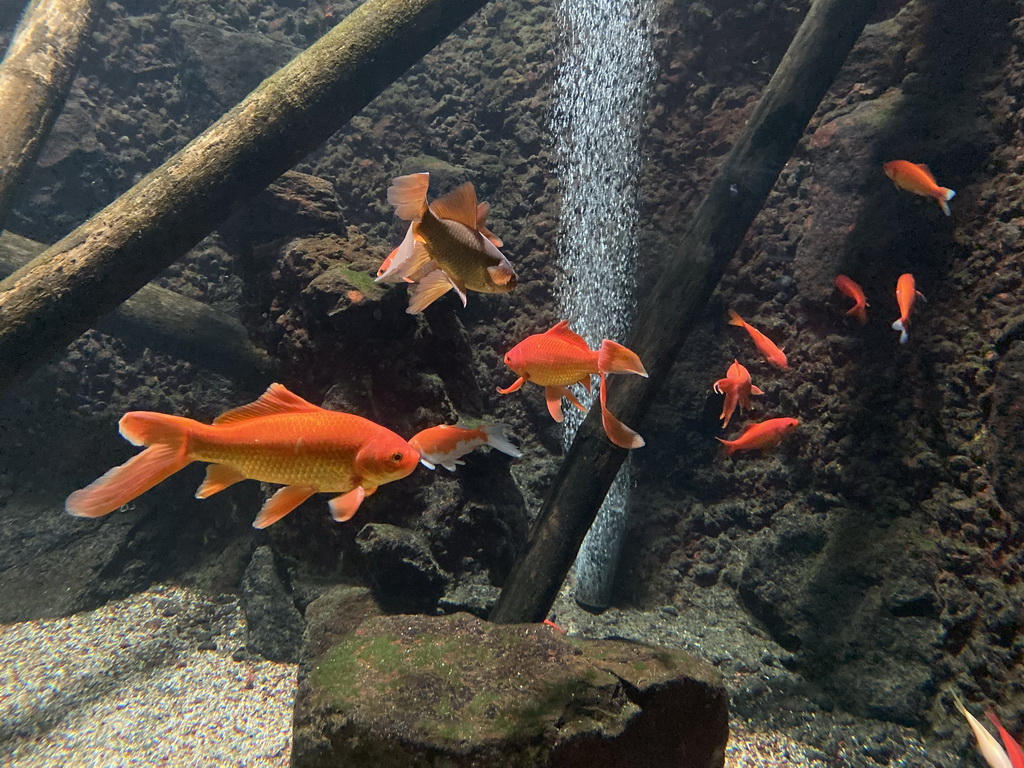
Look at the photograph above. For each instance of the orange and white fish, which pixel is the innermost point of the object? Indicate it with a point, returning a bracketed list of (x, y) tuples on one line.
[(446, 246), (1010, 744), (737, 389), (916, 178), (988, 747), (765, 434), (279, 438), (558, 357), (765, 346), (444, 445), (906, 292), (855, 292)]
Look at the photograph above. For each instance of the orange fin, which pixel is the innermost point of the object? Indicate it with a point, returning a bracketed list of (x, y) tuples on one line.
[(276, 400), (409, 195), (124, 483), (561, 331), (405, 261), (925, 170), (148, 427), (345, 506), (429, 289), (617, 432), (281, 503), (218, 477), (458, 205), (612, 357), (501, 274), (481, 224), (512, 387), (721, 386), (755, 390), (553, 396)]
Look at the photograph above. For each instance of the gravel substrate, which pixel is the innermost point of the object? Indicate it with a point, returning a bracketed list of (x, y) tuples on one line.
[(151, 680)]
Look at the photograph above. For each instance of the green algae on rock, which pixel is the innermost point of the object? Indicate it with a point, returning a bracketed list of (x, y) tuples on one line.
[(457, 691)]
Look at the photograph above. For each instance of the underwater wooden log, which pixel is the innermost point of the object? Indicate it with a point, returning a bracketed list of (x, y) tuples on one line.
[(668, 313), (35, 76), (64, 291), (168, 322)]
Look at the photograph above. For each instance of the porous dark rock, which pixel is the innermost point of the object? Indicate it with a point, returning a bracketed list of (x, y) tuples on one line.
[(456, 691), (405, 576), (333, 615), (275, 624)]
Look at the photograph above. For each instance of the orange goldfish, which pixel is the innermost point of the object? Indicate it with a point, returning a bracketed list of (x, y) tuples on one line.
[(855, 292), (737, 389), (559, 357), (447, 245), (446, 444), (905, 295), (916, 178), (765, 434), (765, 346), (280, 438)]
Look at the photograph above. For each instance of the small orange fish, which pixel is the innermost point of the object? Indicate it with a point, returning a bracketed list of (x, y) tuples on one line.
[(558, 357), (737, 389), (280, 438), (446, 444), (446, 246), (765, 346), (765, 434), (916, 178), (905, 295), (855, 292)]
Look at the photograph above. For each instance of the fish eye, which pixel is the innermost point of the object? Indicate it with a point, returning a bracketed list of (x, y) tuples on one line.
[(397, 457)]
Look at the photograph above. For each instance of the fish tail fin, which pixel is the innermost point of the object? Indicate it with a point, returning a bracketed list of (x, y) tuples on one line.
[(617, 432), (615, 358), (496, 439), (730, 448), (124, 483), (945, 194), (898, 326), (409, 195), (735, 319), (149, 428)]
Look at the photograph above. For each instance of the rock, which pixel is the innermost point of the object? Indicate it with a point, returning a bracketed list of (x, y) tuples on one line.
[(295, 205), (405, 576), (275, 624), (457, 691), (333, 615), (1007, 430)]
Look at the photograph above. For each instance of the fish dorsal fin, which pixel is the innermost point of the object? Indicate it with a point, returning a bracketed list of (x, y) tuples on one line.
[(924, 168), (482, 210), (562, 332), (276, 400), (458, 205)]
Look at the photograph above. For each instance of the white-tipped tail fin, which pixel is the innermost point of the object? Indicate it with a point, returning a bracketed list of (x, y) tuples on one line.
[(409, 195), (497, 440), (898, 326)]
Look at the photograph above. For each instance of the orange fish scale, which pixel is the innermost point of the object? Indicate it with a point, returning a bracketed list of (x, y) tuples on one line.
[(556, 363), (273, 449)]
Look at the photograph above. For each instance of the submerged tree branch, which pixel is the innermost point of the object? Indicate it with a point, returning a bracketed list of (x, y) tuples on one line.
[(687, 281), (63, 292)]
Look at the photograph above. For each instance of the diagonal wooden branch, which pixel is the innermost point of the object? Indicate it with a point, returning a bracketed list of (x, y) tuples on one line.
[(63, 292), (35, 77), (687, 281)]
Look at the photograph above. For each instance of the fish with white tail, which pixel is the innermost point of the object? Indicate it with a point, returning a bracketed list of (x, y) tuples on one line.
[(444, 445)]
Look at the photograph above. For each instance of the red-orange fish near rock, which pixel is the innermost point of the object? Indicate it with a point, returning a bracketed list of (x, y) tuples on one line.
[(558, 357), (737, 388), (765, 346), (280, 438), (446, 246), (916, 178), (444, 445), (765, 434), (906, 292), (855, 292)]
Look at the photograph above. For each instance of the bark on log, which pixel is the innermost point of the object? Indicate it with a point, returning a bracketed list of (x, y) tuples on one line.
[(35, 77), (168, 322), (62, 293), (688, 279)]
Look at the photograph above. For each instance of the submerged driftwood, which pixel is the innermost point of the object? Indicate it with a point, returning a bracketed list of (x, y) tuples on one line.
[(168, 322), (63, 292), (35, 77), (687, 281)]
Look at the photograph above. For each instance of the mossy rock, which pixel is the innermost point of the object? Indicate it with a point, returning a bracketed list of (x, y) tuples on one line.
[(457, 691)]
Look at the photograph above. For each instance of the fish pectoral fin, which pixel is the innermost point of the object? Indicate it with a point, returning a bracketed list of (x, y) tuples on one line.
[(720, 387), (458, 205), (501, 274), (427, 464), (450, 466), (281, 503), (345, 506), (218, 477), (756, 390), (428, 290), (512, 387)]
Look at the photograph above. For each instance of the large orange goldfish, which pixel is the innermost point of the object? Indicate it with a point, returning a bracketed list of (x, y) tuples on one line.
[(855, 292), (737, 389), (558, 357), (280, 438), (444, 445), (916, 178), (906, 292), (446, 246), (772, 353), (766, 434)]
